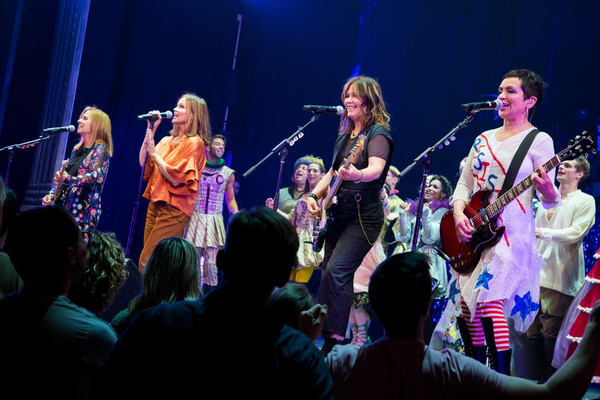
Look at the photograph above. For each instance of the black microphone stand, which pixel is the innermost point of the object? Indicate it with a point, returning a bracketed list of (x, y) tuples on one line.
[(11, 151), (136, 204), (424, 158), (281, 148)]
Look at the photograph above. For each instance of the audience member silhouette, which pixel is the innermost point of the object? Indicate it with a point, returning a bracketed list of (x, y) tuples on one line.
[(104, 275), (401, 366), (171, 274), (10, 281), (286, 303), (49, 344), (227, 340)]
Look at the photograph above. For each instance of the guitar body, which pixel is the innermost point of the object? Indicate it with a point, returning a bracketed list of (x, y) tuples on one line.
[(463, 257), (320, 233), (325, 212), (61, 191)]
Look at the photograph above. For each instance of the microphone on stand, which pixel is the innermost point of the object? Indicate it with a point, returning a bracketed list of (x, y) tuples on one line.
[(485, 105), (153, 117), (52, 131), (339, 110)]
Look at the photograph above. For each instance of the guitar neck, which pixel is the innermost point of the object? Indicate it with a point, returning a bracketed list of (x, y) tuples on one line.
[(519, 188)]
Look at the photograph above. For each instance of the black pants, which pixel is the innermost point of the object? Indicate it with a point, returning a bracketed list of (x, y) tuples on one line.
[(345, 248)]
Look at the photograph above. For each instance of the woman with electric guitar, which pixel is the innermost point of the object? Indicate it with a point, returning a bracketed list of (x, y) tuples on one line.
[(504, 282), (357, 213), (78, 185)]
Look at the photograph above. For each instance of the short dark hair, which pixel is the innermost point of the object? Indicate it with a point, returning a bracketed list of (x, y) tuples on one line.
[(286, 303), (582, 165), (531, 83), (263, 237), (400, 290), (218, 136), (38, 243)]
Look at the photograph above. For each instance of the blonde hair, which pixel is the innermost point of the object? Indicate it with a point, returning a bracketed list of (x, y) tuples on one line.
[(100, 128), (198, 122), (373, 108), (318, 161)]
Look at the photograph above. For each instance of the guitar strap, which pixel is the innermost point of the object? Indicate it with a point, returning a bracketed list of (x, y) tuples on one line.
[(516, 162)]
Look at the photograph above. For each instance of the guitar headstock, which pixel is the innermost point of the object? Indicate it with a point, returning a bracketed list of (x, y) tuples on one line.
[(581, 145)]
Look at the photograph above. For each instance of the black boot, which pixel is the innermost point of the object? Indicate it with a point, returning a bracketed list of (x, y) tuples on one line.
[(499, 360), (479, 353)]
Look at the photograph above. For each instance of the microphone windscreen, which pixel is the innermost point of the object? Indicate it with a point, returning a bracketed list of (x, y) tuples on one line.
[(168, 115)]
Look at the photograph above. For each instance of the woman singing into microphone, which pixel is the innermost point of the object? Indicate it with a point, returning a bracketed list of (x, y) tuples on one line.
[(78, 185), (173, 170), (358, 216)]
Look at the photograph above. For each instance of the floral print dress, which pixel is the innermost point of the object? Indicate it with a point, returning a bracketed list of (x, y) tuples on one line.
[(83, 199)]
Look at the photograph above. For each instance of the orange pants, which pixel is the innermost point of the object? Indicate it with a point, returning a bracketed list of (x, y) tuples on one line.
[(162, 221)]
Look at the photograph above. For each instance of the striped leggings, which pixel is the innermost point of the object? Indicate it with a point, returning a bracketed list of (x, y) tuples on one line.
[(492, 310)]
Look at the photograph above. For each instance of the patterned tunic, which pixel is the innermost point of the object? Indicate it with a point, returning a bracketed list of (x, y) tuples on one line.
[(83, 199), (304, 225), (206, 228), (511, 269)]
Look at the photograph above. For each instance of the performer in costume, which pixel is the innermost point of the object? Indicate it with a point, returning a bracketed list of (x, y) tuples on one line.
[(288, 196), (308, 259), (84, 173), (505, 282), (173, 170), (206, 229), (560, 234), (358, 215)]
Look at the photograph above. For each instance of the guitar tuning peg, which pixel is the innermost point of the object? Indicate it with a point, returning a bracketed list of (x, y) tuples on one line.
[(447, 142), (577, 137), (570, 141)]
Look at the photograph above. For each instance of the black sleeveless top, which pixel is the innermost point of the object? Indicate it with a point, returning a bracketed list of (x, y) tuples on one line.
[(343, 145)]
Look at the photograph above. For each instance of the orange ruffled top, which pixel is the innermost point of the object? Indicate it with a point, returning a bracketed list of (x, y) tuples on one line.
[(185, 163)]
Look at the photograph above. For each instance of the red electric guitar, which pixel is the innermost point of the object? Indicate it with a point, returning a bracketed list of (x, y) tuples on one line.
[(463, 257)]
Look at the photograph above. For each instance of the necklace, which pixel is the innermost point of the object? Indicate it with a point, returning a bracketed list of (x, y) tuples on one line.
[(177, 140)]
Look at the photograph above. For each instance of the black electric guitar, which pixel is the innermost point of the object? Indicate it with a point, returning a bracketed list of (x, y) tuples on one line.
[(62, 190), (463, 257), (325, 212)]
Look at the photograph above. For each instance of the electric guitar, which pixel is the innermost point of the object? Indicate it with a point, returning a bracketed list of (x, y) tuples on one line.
[(325, 212), (463, 257), (62, 190)]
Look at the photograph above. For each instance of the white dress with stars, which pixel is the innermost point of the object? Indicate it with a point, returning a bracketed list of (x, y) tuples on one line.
[(509, 270)]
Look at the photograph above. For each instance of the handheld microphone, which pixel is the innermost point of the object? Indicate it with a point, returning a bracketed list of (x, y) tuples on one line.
[(52, 131), (486, 105), (339, 110), (152, 117)]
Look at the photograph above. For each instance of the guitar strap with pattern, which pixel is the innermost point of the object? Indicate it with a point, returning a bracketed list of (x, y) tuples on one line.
[(517, 160)]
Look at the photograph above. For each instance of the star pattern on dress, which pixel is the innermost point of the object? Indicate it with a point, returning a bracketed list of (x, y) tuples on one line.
[(453, 291), (484, 278), (524, 306)]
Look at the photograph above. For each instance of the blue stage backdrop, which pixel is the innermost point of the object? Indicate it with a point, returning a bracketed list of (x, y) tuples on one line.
[(429, 56)]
